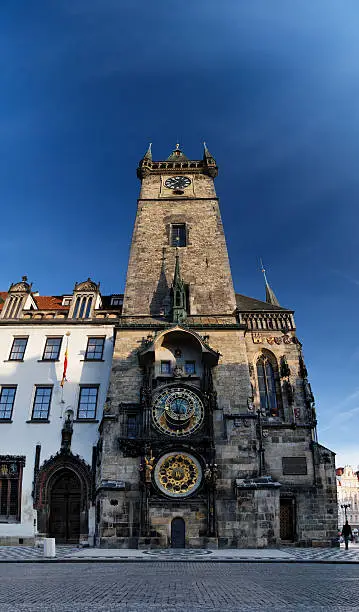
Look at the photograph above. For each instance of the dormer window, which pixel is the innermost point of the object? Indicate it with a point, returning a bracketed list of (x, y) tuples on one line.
[(86, 297), (66, 300), (116, 300), (83, 307)]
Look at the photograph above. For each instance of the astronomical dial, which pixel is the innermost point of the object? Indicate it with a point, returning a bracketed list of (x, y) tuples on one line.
[(178, 474), (178, 182), (177, 411)]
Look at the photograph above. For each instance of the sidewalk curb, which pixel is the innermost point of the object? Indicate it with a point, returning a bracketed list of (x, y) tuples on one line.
[(144, 561)]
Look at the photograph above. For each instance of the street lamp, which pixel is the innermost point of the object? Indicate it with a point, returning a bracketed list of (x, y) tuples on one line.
[(345, 507)]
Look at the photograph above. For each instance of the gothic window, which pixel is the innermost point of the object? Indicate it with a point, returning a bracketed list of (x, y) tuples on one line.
[(178, 235), (42, 401), (18, 349), (268, 384), (10, 488), (94, 350), (87, 402), (52, 349), (7, 399)]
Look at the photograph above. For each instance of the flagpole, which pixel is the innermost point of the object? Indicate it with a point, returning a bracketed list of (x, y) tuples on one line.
[(63, 380)]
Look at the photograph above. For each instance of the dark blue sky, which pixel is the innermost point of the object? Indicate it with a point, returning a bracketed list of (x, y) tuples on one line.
[(273, 88)]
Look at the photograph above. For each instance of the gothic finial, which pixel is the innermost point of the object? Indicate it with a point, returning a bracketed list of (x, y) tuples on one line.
[(270, 295), (24, 278)]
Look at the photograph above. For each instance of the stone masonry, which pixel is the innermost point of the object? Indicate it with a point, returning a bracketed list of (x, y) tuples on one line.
[(218, 450)]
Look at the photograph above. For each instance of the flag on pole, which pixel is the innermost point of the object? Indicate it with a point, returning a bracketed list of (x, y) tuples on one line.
[(65, 366)]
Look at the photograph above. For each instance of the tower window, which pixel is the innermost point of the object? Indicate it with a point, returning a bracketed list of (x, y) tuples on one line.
[(132, 426), (178, 235)]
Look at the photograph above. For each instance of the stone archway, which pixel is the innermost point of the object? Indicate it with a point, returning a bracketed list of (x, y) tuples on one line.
[(62, 498)]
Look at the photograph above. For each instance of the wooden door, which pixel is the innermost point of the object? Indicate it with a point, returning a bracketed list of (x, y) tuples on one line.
[(178, 536), (286, 520), (65, 508)]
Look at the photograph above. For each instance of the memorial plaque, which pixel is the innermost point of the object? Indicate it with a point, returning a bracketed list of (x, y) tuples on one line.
[(294, 466)]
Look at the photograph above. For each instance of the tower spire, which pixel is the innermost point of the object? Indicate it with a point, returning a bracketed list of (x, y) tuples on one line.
[(270, 295), (179, 312), (148, 154)]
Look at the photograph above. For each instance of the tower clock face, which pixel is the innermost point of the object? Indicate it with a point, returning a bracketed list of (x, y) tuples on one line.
[(177, 412), (178, 474), (178, 182)]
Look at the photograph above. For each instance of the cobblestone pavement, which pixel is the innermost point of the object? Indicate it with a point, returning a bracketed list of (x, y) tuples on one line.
[(71, 553), (170, 587)]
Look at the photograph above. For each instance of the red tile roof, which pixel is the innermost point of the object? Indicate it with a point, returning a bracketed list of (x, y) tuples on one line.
[(3, 295), (49, 302)]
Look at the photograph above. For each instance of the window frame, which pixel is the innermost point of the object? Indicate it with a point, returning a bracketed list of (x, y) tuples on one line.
[(15, 339), (190, 362), (59, 351), (7, 419), (37, 418), (168, 363), (133, 427), (173, 242), (86, 357), (87, 418)]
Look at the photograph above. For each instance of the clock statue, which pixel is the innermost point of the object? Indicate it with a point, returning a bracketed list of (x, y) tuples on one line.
[(178, 182), (178, 474), (177, 411)]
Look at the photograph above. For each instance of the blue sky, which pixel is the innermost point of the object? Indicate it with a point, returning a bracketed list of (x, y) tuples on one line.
[(272, 87)]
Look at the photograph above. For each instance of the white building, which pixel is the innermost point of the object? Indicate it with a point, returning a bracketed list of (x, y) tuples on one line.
[(49, 432), (348, 494)]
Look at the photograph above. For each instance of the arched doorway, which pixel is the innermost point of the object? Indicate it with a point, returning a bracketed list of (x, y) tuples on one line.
[(65, 507), (178, 533)]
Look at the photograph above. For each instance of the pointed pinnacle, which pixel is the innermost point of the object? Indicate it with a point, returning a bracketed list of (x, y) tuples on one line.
[(270, 295), (148, 154)]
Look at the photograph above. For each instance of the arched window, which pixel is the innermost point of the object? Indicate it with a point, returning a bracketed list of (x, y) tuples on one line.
[(77, 306), (82, 308), (268, 383), (88, 309)]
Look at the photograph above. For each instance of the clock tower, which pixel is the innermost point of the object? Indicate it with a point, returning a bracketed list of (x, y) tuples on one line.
[(203, 387)]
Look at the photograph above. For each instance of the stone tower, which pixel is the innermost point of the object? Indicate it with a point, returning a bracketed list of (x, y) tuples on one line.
[(208, 437)]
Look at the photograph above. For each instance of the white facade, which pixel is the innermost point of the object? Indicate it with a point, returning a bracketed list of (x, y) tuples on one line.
[(348, 493), (21, 436)]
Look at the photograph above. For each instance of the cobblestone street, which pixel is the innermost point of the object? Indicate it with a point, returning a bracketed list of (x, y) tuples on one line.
[(169, 586)]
